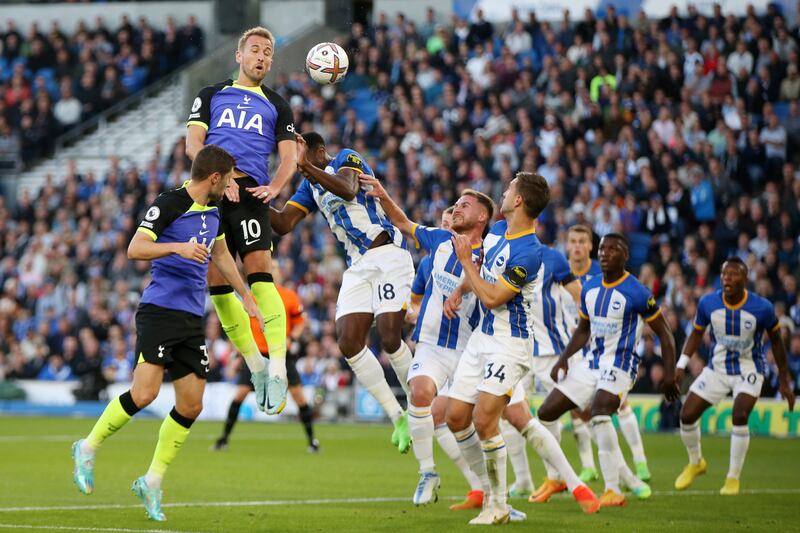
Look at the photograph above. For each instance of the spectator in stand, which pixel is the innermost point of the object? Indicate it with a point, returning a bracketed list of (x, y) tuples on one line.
[(94, 68), (67, 110), (689, 161)]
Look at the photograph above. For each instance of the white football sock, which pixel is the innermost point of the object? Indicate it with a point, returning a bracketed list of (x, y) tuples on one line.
[(369, 373), (630, 430), (401, 362), (554, 428), (740, 440), (470, 446), (548, 449), (495, 454), (447, 442), (607, 447), (518, 454), (420, 425), (583, 437), (690, 435)]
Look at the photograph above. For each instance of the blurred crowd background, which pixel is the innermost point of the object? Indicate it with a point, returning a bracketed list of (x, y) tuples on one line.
[(683, 133), (51, 81)]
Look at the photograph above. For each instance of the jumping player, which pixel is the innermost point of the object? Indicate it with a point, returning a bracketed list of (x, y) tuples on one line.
[(251, 121), (377, 283), (179, 233)]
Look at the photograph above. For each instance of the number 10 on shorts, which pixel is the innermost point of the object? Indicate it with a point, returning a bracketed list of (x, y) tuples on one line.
[(496, 373)]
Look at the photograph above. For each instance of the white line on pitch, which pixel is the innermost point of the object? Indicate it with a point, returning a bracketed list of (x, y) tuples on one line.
[(77, 528), (326, 501), (71, 438)]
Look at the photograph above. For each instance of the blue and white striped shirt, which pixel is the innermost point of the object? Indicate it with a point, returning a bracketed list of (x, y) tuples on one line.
[(440, 278), (355, 223), (614, 311), (550, 321), (515, 260), (736, 331)]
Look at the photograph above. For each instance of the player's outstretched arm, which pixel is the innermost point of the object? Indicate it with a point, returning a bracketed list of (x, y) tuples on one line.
[(224, 261), (578, 340), (660, 327), (779, 353), (286, 219), (143, 248), (396, 215), (491, 295), (343, 184)]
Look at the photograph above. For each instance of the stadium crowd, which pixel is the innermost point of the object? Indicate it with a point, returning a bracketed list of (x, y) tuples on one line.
[(682, 133), (51, 80)]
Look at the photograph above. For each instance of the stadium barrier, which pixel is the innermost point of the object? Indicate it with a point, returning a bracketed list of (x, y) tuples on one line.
[(769, 418)]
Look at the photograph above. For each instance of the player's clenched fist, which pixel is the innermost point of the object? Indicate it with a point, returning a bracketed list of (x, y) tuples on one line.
[(463, 247), (193, 251)]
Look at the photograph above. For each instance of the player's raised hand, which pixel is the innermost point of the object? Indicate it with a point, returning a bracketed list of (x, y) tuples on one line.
[(411, 317), (372, 186), (232, 191), (463, 247), (452, 304), (193, 251), (301, 148), (787, 392), (263, 193)]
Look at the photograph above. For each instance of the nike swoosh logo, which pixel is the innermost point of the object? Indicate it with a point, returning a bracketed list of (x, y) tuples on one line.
[(269, 406), (248, 243), (203, 232), (244, 107)]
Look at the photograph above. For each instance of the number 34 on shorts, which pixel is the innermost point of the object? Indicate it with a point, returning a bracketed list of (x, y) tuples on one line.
[(495, 371)]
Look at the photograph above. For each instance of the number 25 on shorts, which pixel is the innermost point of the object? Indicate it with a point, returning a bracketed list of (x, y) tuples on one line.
[(499, 374)]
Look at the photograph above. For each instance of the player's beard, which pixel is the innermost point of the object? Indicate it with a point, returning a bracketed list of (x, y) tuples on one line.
[(256, 76), (461, 227)]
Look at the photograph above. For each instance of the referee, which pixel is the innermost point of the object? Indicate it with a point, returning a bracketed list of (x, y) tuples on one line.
[(250, 121), (178, 234)]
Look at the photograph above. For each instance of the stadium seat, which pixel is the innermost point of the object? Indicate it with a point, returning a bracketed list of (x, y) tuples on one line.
[(640, 249)]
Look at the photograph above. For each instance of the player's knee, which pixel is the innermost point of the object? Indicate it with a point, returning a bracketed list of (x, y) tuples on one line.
[(547, 413), (191, 410), (390, 341), (739, 419), (485, 423), (241, 394), (688, 415), (421, 393), (457, 420), (350, 346), (143, 397)]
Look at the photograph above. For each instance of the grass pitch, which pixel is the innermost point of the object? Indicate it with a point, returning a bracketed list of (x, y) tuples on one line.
[(266, 481)]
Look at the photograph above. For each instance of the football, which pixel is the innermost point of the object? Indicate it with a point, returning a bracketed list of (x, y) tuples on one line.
[(327, 63)]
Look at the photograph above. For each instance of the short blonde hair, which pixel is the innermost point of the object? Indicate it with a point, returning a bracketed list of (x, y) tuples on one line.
[(259, 31)]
